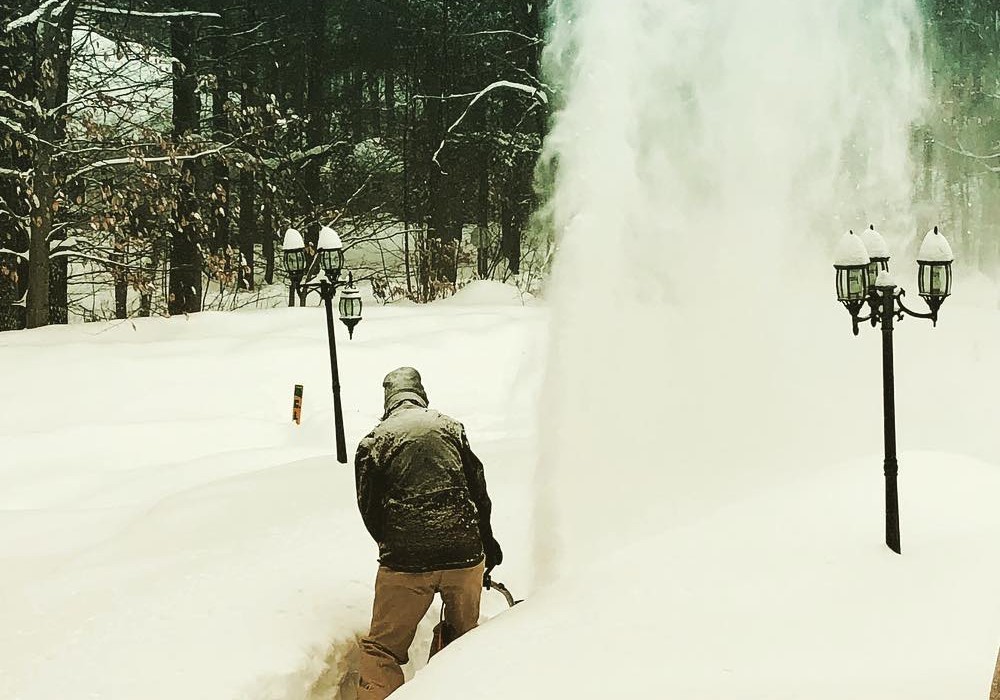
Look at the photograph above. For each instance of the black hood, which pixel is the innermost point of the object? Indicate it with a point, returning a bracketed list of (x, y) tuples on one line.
[(403, 384)]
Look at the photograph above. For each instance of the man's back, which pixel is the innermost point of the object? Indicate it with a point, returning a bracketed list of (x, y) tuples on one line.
[(426, 517)]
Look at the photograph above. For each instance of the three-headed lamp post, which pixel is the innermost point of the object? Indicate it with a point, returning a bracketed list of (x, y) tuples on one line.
[(862, 265), (322, 273)]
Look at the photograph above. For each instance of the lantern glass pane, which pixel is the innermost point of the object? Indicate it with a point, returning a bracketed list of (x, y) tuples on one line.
[(350, 306), (295, 260), (852, 283), (935, 279), (330, 260)]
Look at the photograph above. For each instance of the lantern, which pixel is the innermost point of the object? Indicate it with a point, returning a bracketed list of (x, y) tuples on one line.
[(878, 253), (934, 273), (350, 308), (331, 253), (851, 263), (294, 249)]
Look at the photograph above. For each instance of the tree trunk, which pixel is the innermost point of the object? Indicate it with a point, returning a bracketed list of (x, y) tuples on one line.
[(247, 228), (249, 235), (59, 265), (483, 232), (374, 99), (17, 79), (185, 253), (121, 295), (517, 195), (407, 121), (220, 127), (267, 224), (51, 67), (155, 258), (444, 226), (356, 102), (390, 100), (510, 231), (317, 94)]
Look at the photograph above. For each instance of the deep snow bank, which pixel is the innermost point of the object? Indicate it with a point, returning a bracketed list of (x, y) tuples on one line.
[(789, 594)]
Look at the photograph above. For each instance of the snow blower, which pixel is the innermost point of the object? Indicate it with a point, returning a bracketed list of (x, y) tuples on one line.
[(444, 634)]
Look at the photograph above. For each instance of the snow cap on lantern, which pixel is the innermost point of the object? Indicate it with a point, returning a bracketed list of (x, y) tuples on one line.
[(878, 252)]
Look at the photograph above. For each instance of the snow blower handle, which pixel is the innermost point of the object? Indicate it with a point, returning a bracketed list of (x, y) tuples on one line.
[(490, 584)]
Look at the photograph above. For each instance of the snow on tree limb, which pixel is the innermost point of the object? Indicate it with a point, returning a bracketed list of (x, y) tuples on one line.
[(507, 32), (98, 9), (963, 151), (142, 160), (534, 92), (17, 253), (8, 172), (29, 105), (298, 158), (33, 16), (17, 128)]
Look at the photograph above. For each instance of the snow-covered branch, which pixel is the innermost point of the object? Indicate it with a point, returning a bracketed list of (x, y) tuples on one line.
[(35, 15), (963, 151), (8, 251), (31, 106), (534, 92), (8, 172), (142, 160), (98, 9), (509, 32), (300, 157), (17, 128)]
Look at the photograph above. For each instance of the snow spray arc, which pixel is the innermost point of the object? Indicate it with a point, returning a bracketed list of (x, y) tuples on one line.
[(704, 152)]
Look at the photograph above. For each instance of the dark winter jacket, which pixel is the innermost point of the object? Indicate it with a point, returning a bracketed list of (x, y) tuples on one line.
[(421, 489)]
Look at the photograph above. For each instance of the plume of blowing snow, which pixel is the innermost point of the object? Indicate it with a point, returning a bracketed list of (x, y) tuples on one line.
[(708, 154)]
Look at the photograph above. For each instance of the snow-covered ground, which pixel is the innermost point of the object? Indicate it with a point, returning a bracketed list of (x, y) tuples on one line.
[(166, 531)]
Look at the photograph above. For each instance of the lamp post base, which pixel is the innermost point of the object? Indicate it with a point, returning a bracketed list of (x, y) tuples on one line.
[(892, 507)]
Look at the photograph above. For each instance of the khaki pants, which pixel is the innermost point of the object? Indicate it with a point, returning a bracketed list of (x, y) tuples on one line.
[(995, 690), (401, 601)]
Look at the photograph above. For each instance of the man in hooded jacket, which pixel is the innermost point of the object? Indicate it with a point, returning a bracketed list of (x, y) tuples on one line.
[(422, 496)]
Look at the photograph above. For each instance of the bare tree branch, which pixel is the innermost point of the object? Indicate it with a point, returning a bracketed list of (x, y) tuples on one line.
[(532, 91), (97, 9), (141, 160)]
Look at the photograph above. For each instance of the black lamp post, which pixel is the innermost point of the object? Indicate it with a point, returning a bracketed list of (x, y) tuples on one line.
[(323, 274), (862, 266)]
